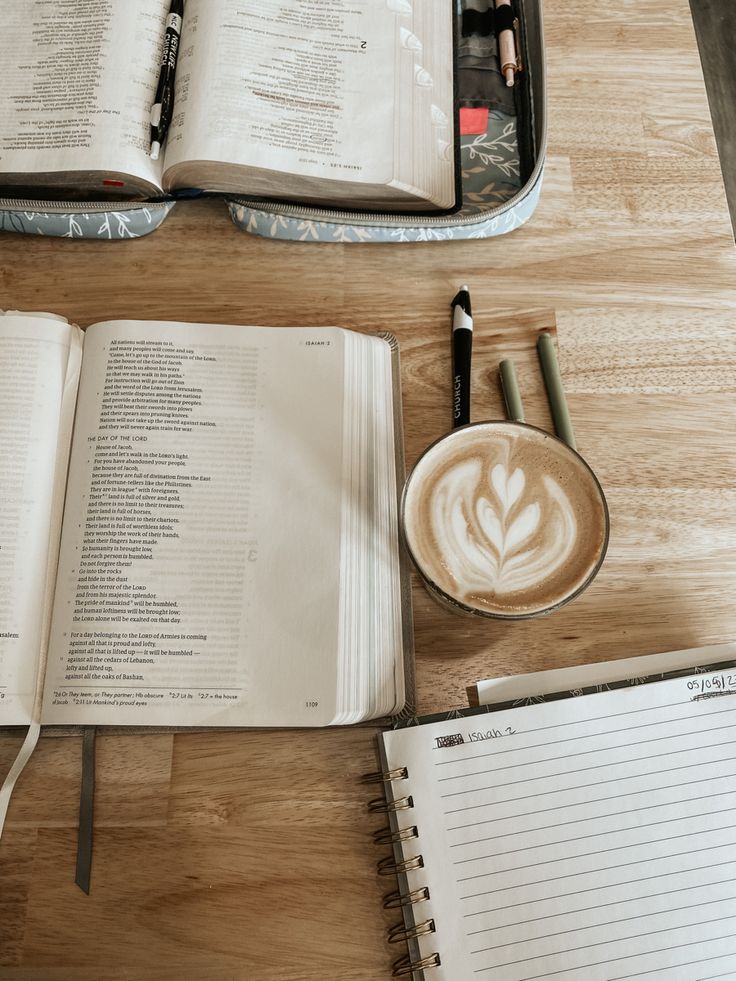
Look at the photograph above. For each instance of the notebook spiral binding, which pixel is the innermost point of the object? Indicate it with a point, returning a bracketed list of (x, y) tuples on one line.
[(405, 966)]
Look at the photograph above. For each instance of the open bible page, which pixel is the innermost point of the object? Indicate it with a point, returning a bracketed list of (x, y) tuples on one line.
[(79, 80), (199, 575), (331, 92), (588, 839), (39, 364)]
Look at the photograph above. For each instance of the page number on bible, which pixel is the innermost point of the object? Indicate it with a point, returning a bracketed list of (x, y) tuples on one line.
[(311, 703)]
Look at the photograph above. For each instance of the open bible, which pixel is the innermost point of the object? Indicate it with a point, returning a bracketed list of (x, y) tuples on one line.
[(221, 546), (343, 103)]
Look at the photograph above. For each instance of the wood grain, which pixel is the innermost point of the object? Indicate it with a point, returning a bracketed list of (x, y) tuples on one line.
[(248, 855)]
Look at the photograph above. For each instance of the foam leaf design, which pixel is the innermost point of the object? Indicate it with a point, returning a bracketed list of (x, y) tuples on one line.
[(522, 527), (489, 523), (508, 488), (494, 534)]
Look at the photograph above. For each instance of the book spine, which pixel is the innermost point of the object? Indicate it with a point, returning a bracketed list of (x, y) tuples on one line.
[(405, 858)]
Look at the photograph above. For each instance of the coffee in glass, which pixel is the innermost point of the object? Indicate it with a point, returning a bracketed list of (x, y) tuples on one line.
[(504, 520)]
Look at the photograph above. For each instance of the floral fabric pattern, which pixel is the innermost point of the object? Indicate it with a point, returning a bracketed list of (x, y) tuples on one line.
[(123, 222)]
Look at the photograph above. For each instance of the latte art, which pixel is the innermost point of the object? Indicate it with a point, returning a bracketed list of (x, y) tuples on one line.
[(505, 519), (495, 538)]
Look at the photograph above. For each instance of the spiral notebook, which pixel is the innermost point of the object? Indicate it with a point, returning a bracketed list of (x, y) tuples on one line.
[(584, 839)]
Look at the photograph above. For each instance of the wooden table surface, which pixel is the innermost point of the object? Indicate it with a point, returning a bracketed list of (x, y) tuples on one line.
[(248, 855)]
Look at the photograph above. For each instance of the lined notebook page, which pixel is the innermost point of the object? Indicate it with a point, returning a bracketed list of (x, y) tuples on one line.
[(589, 839)]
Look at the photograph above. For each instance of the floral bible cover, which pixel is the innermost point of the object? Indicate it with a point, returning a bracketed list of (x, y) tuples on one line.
[(501, 181)]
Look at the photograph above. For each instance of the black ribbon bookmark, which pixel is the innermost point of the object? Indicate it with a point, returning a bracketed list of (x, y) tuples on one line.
[(86, 811)]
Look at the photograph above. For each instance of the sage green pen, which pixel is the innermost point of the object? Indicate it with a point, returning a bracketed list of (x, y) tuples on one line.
[(511, 392), (555, 391)]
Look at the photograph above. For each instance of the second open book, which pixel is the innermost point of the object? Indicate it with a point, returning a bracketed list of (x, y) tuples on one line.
[(229, 550)]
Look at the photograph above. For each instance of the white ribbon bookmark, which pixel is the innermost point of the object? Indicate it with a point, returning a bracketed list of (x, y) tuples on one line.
[(26, 751)]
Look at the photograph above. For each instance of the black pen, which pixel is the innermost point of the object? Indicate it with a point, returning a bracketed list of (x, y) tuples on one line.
[(462, 347), (163, 105)]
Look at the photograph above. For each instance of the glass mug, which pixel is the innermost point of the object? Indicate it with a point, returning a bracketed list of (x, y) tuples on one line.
[(503, 520)]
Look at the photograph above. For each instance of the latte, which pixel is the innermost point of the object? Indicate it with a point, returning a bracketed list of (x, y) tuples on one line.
[(504, 520)]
